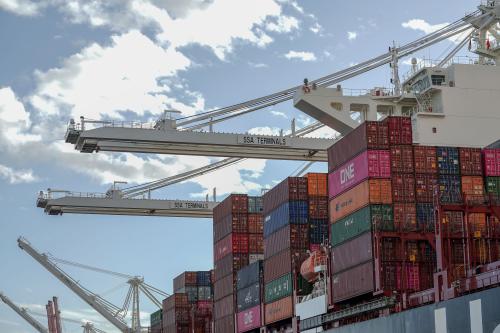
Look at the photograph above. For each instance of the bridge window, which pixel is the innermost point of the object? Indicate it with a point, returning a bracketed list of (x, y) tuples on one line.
[(336, 105), (437, 80)]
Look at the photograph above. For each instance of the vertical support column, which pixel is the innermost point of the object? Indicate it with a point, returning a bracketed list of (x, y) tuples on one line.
[(57, 315)]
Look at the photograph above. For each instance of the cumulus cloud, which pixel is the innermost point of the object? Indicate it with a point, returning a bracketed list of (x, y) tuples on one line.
[(352, 35), (316, 28), (422, 25), (301, 55), (264, 130), (20, 7), (16, 176), (279, 114), (283, 24)]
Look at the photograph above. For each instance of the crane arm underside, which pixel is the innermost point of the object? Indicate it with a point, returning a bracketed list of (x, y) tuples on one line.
[(24, 314)]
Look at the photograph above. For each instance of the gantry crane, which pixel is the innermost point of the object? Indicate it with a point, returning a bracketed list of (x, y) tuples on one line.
[(180, 137), (24, 314), (136, 200), (27, 315), (114, 314)]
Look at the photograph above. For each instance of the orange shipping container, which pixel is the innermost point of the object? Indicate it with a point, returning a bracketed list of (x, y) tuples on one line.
[(278, 310), (477, 224), (372, 191), (317, 184), (472, 185)]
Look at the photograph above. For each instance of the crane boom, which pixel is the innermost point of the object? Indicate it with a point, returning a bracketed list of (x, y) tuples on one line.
[(24, 314), (100, 305)]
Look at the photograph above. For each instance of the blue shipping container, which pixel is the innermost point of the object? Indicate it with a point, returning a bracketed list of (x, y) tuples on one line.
[(448, 160), (293, 212), (425, 217), (450, 189), (318, 231), (203, 278)]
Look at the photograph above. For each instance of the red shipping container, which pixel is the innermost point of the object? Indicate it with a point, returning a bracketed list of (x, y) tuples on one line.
[(353, 282), (224, 325), (184, 279), (400, 131), (472, 186), (237, 222), (405, 217), (424, 187), (277, 265), (224, 287), (256, 243), (351, 253), (224, 307), (317, 184), (425, 159), (255, 223), (278, 310), (318, 207), (453, 222), (175, 300), (294, 236), (402, 159), (369, 164), (229, 265), (491, 162), (389, 248), (471, 163), (232, 243), (403, 187), (368, 135), (477, 224), (234, 203), (290, 189), (411, 277)]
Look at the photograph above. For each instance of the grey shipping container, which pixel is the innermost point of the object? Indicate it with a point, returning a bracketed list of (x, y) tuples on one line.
[(224, 325), (353, 252), (224, 307), (204, 293), (249, 275), (223, 287), (248, 297), (353, 282)]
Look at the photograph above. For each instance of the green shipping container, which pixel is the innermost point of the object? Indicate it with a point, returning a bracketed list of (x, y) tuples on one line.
[(381, 216), (493, 185), (279, 288), (156, 317)]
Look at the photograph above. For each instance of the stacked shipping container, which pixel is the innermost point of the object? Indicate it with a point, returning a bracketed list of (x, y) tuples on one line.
[(156, 319), (373, 212), (238, 240), (190, 307), (295, 221), (249, 287)]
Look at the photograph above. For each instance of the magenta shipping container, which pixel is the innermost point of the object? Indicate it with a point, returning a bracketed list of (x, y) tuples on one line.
[(249, 319), (491, 162), (371, 163)]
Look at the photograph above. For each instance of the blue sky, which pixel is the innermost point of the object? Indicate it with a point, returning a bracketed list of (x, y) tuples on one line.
[(131, 59)]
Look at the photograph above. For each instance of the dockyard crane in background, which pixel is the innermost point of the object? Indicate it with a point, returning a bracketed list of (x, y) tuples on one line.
[(136, 200), (24, 314), (114, 314)]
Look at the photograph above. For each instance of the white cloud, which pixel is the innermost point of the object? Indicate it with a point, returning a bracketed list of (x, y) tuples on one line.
[(352, 35), (16, 176), (316, 28), (279, 114), (301, 55), (283, 24), (264, 130), (422, 25), (20, 7)]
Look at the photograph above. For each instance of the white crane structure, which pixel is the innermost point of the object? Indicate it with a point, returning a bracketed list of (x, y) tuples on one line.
[(114, 314), (136, 200), (23, 312), (170, 136), (88, 327)]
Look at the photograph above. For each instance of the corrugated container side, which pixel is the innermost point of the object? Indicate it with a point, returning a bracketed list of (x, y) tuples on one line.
[(249, 275), (290, 189), (450, 189), (402, 159), (425, 159), (425, 216), (224, 287), (232, 204), (230, 223), (255, 223), (277, 265), (453, 222), (279, 310), (204, 293), (229, 264), (203, 278), (184, 279), (279, 288), (156, 318), (255, 243), (292, 212), (491, 162), (424, 187), (471, 163), (368, 135), (400, 130), (175, 300), (249, 319), (353, 282), (318, 207), (294, 236), (232, 243), (376, 191), (448, 160), (318, 231), (254, 257), (317, 184), (493, 185), (224, 325), (472, 185), (405, 217), (369, 164), (248, 297), (403, 187), (352, 253), (224, 307), (255, 205)]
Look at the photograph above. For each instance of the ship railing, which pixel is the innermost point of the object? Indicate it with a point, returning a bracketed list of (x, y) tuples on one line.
[(427, 62), (48, 195), (378, 91)]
